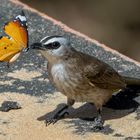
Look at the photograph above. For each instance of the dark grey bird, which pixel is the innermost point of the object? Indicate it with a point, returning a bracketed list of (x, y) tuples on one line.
[(79, 76)]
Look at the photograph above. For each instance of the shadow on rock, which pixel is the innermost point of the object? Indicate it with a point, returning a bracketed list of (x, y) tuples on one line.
[(118, 106)]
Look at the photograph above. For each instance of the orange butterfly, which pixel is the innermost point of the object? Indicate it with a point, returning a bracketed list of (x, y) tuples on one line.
[(17, 39)]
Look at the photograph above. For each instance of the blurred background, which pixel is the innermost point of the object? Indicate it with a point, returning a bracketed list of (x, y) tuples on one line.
[(115, 23)]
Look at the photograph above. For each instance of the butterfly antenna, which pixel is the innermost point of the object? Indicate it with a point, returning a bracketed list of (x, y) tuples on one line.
[(22, 13)]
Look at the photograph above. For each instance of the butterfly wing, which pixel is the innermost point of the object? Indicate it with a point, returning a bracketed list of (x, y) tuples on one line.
[(8, 49), (11, 47), (17, 30)]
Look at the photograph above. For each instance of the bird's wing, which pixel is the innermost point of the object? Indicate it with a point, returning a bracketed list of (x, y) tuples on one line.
[(103, 76)]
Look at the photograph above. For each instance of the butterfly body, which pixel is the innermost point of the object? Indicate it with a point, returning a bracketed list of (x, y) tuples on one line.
[(16, 39)]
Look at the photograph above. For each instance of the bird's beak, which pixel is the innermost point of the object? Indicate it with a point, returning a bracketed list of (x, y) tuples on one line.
[(37, 46)]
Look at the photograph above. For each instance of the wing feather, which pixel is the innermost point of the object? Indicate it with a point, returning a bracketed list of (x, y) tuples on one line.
[(102, 75)]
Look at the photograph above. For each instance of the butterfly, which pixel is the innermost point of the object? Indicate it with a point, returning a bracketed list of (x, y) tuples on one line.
[(16, 40)]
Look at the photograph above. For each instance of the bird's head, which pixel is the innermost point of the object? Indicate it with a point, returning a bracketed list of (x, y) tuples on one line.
[(53, 46)]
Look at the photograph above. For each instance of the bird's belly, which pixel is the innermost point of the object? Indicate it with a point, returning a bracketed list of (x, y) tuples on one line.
[(77, 88)]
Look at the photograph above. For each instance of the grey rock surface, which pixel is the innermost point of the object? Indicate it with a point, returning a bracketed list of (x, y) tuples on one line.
[(9, 105)]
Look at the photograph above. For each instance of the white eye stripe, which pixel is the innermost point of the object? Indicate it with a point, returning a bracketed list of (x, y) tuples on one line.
[(43, 39), (46, 41), (50, 41)]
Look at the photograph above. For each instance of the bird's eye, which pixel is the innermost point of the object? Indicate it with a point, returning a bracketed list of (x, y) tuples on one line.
[(55, 45)]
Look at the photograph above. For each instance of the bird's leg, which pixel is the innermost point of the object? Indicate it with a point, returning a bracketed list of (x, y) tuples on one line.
[(98, 122), (61, 113)]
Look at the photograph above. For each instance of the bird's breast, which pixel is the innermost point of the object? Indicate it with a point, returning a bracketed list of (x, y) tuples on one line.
[(59, 73), (65, 80)]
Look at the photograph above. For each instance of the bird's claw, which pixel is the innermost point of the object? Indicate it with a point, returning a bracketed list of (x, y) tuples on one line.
[(50, 121), (55, 118)]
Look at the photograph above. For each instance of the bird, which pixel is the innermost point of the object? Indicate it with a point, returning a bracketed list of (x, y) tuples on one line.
[(79, 76)]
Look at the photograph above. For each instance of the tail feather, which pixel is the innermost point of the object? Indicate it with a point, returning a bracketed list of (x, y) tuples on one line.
[(132, 81), (132, 85)]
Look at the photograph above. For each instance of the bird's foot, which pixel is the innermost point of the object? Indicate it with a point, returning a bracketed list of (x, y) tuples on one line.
[(98, 124), (56, 118)]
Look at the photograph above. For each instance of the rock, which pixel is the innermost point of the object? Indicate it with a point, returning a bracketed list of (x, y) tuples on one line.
[(9, 105)]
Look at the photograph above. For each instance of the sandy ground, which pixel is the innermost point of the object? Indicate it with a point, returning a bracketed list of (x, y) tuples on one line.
[(22, 124), (28, 122)]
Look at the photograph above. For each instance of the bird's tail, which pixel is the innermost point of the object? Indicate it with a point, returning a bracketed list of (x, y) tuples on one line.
[(132, 84), (132, 81)]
